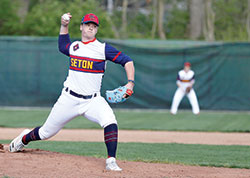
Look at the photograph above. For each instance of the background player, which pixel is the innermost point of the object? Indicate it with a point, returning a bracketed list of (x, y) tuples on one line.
[(81, 93), (185, 82)]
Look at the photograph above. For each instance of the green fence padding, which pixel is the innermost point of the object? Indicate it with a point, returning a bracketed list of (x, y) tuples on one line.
[(32, 72)]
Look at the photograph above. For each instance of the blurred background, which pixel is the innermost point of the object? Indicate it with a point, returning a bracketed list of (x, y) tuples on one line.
[(160, 35)]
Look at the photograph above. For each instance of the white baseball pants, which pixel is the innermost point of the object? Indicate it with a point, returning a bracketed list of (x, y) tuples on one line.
[(179, 94), (68, 107)]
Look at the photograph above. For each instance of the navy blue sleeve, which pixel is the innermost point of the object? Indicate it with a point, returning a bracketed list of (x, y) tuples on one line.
[(178, 77), (116, 56), (64, 44)]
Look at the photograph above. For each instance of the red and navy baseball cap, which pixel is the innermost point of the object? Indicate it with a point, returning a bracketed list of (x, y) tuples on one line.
[(187, 64), (90, 18)]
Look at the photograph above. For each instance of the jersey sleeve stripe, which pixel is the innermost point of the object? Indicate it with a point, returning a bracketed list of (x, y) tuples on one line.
[(116, 56), (86, 70), (86, 58)]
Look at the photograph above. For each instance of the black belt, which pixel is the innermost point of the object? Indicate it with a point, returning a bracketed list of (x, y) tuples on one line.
[(80, 96)]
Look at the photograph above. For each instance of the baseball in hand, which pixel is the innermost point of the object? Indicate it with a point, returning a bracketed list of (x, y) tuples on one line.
[(66, 17)]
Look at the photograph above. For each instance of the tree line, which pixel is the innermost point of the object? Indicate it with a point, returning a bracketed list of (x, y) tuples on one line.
[(210, 20)]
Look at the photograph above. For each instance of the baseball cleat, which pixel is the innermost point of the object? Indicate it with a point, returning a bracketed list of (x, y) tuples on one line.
[(17, 144), (111, 165)]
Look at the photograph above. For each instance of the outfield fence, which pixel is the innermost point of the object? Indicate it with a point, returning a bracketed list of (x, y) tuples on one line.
[(32, 71)]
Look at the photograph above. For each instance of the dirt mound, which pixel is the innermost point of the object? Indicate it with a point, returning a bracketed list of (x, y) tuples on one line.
[(39, 163)]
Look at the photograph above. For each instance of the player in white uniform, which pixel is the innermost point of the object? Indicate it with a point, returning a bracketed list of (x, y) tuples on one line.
[(185, 82), (81, 93)]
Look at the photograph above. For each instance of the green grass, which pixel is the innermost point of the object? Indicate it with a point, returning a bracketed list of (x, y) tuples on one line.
[(188, 154), (140, 120)]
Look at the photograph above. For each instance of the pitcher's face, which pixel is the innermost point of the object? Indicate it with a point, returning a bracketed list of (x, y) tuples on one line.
[(89, 30)]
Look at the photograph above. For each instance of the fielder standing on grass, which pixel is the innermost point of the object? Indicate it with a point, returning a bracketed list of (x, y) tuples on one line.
[(81, 93), (185, 82)]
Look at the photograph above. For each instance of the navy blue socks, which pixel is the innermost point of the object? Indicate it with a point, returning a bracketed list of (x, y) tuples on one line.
[(32, 136), (111, 136)]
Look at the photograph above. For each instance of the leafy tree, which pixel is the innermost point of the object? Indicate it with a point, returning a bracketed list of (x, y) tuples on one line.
[(44, 18), (177, 20), (139, 26), (230, 20), (9, 21)]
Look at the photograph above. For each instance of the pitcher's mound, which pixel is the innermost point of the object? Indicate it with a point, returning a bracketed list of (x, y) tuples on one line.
[(39, 163)]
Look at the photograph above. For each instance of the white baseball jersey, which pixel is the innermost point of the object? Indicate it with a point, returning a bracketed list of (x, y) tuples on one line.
[(87, 63), (86, 72), (185, 79)]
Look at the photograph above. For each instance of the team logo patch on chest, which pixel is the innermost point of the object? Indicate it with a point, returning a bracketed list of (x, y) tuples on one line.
[(76, 47)]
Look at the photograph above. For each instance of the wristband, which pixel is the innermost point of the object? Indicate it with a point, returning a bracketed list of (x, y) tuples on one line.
[(132, 81)]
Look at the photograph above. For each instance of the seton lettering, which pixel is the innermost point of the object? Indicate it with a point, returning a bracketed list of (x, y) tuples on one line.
[(81, 64)]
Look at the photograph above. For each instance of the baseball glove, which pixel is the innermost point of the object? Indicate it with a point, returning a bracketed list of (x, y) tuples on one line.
[(118, 95), (188, 89)]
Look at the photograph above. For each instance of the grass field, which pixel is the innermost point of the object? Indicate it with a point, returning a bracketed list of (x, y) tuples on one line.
[(140, 120), (188, 154)]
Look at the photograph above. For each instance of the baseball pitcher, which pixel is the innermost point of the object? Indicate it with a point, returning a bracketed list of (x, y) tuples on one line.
[(185, 82), (81, 93)]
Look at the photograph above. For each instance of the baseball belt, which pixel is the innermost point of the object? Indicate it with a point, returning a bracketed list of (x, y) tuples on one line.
[(79, 95)]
